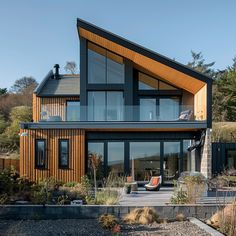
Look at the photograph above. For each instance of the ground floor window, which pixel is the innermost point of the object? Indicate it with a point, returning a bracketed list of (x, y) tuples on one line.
[(141, 159), (40, 153), (231, 159), (115, 158), (144, 160), (63, 153), (171, 160)]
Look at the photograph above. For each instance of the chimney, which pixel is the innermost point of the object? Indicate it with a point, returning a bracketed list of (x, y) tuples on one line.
[(56, 74)]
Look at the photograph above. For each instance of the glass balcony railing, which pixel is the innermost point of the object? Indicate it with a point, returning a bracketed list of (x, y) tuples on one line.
[(121, 113)]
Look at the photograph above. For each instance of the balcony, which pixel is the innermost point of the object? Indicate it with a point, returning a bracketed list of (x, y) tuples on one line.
[(180, 113)]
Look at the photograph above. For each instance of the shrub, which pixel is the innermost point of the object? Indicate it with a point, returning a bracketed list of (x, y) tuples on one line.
[(85, 186), (180, 217), (225, 219), (44, 190), (4, 199), (179, 197), (190, 186), (142, 216), (107, 197), (108, 221), (113, 180), (63, 200), (70, 184)]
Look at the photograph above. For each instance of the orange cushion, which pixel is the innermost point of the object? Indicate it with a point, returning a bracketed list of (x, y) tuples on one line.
[(155, 181)]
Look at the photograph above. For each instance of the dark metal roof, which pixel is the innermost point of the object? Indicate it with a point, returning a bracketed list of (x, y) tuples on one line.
[(65, 86), (142, 50)]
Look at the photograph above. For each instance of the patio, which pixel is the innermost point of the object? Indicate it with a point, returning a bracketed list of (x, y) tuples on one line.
[(147, 198), (162, 197)]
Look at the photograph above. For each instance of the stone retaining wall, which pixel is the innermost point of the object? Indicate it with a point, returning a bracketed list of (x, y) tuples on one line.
[(18, 212)]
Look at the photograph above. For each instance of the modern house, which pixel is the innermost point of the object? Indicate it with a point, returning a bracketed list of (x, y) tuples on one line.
[(140, 112)]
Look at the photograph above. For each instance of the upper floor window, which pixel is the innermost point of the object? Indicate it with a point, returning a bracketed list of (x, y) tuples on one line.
[(104, 67), (73, 110), (105, 105), (40, 153), (146, 82)]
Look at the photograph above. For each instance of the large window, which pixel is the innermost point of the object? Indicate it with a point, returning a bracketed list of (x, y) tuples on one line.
[(104, 67), (73, 111), (159, 109), (146, 82), (40, 153), (96, 149), (148, 109), (171, 161), (187, 165), (231, 159), (169, 108), (144, 160), (63, 153), (115, 156), (105, 106)]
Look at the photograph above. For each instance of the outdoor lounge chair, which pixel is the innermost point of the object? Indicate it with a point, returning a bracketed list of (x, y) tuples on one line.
[(185, 115), (154, 184)]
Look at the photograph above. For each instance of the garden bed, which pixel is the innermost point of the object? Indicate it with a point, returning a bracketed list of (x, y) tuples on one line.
[(92, 227)]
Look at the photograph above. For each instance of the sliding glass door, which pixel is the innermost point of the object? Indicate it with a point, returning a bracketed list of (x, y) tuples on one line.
[(171, 160), (144, 160), (141, 159)]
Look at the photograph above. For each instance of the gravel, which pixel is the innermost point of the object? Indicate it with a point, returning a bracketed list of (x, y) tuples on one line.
[(91, 227)]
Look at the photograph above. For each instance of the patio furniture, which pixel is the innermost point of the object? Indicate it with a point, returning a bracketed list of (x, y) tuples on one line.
[(132, 183), (154, 184), (185, 115)]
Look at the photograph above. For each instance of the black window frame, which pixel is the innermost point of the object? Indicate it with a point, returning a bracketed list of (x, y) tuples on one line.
[(106, 84), (36, 154), (106, 102), (60, 166)]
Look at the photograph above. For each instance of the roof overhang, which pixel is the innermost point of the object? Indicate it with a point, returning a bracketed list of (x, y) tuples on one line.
[(171, 71)]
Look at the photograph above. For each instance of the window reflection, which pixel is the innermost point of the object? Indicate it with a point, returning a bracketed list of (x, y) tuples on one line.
[(171, 161), (73, 111), (144, 160), (116, 158), (169, 108), (104, 66), (105, 106), (96, 148)]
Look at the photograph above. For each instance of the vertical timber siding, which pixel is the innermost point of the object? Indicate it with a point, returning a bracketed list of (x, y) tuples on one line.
[(56, 106), (76, 158)]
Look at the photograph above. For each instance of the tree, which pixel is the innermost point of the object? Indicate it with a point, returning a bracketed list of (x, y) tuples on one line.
[(24, 85), (3, 91), (198, 63), (224, 95), (18, 114), (95, 162), (71, 67)]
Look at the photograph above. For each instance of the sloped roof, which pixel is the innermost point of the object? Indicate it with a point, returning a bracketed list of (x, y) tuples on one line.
[(173, 72), (65, 85)]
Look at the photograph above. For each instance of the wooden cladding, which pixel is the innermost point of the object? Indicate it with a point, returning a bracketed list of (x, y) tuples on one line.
[(54, 106), (200, 104), (76, 167), (171, 75)]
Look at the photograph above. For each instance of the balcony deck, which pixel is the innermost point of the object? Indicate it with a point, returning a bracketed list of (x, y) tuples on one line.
[(119, 125)]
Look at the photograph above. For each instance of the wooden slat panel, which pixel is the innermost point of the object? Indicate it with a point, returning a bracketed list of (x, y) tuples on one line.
[(56, 106), (171, 75), (200, 104), (76, 162)]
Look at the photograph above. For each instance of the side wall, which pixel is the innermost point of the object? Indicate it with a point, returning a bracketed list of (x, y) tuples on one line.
[(76, 148), (200, 104), (54, 106)]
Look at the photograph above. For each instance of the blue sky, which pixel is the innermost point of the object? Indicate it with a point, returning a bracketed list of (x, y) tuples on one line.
[(36, 34)]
